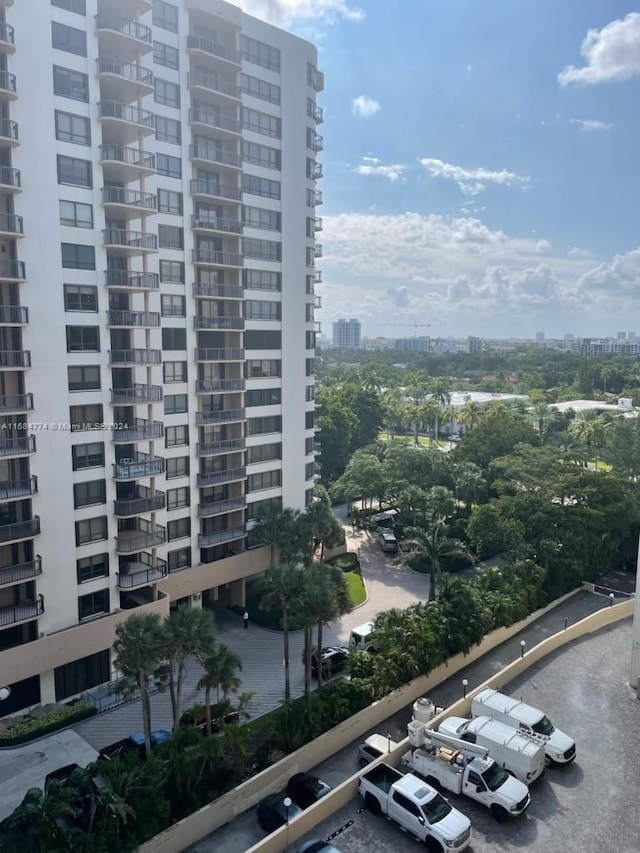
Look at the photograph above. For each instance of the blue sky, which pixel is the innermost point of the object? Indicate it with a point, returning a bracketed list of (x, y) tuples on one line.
[(481, 163)]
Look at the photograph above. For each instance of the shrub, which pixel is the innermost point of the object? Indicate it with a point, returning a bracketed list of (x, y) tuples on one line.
[(57, 718), (348, 562)]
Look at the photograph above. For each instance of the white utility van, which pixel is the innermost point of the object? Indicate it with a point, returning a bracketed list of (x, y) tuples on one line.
[(559, 747), (361, 637)]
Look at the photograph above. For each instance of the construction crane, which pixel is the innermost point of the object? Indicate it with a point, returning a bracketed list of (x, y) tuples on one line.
[(415, 325)]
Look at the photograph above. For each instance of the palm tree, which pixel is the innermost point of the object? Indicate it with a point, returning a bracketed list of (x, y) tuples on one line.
[(543, 417), (220, 672), (393, 410), (440, 393), (416, 390), (334, 601), (433, 544), (270, 528), (322, 527), (188, 632), (588, 427), (37, 817), (139, 652), (470, 484), (470, 414)]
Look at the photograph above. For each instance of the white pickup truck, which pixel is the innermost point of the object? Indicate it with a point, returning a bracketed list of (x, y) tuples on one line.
[(416, 807), (466, 769)]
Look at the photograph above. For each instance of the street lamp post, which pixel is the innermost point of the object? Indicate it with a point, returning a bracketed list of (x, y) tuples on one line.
[(465, 684), (611, 597), (287, 803), (523, 643), (5, 692)]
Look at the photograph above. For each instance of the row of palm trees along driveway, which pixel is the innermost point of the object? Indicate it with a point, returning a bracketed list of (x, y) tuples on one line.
[(261, 651)]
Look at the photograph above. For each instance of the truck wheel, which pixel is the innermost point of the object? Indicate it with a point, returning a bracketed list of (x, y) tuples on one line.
[(435, 783), (548, 762), (499, 813), (372, 804), (432, 845)]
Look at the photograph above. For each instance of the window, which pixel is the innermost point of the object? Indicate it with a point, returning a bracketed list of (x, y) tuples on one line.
[(314, 77), (89, 568), (309, 393), (174, 371), (72, 128), (260, 217), (310, 340), (261, 155), (168, 130), (311, 226), (165, 16), (263, 397), (173, 306), (69, 39), (266, 480), (312, 198), (75, 172), (176, 436), (83, 339), (166, 93), (309, 366), (81, 675), (93, 604), (257, 368), (255, 309), (259, 509), (91, 530), (310, 471), (84, 378), (309, 420), (78, 257), (84, 418), (80, 297), (178, 498), (260, 54), (170, 237), (87, 455), (90, 493), (264, 426), (309, 312), (311, 256), (170, 167), (257, 339), (260, 186), (75, 214), (170, 202), (178, 529), (175, 404), (70, 84), (80, 8), (265, 250), (259, 89), (264, 453), (262, 123), (314, 170), (262, 280), (165, 55), (174, 339), (177, 467), (172, 272), (179, 559), (309, 446)]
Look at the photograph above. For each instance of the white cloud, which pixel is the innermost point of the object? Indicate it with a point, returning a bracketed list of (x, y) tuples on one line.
[(364, 107), (284, 12), (470, 181), (589, 124), (373, 166), (610, 54)]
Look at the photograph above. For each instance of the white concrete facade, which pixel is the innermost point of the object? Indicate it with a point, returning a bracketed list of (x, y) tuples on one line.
[(159, 187)]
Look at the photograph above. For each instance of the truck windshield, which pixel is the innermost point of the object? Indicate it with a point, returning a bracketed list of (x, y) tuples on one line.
[(544, 726), (494, 777), (436, 809)]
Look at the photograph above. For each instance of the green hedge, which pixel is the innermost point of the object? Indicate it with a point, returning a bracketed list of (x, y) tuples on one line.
[(58, 718), (348, 561)]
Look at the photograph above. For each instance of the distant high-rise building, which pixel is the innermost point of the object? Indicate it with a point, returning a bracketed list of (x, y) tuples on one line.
[(346, 334), (539, 337), (622, 336), (474, 344)]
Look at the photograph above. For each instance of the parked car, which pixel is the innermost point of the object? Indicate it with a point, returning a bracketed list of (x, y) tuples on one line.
[(272, 812), (360, 637), (306, 789), (388, 542), (334, 660), (317, 845), (133, 743), (221, 714), (373, 747)]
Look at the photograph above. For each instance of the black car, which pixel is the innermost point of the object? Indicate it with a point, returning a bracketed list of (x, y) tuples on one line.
[(305, 789), (272, 812), (334, 660)]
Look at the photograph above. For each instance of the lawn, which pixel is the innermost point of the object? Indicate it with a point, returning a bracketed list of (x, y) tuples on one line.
[(357, 589)]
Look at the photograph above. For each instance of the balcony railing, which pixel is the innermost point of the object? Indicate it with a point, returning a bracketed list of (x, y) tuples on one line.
[(317, 200), (16, 403), (132, 280), (317, 251), (139, 393), (216, 223), (132, 198), (10, 177), (130, 239), (146, 502), (218, 354), (7, 33), (131, 29), (143, 577), (213, 83), (215, 155), (219, 416), (14, 315), (213, 448), (11, 224), (20, 530), (316, 171), (214, 386), (206, 540), (318, 143), (209, 508), (214, 478), (9, 129), (128, 70), (214, 291), (212, 256), (214, 48), (142, 466), (13, 489), (201, 186), (317, 114), (142, 431), (19, 358), (135, 356), (21, 612), (21, 572), (17, 446), (112, 152), (317, 277), (8, 82), (143, 319), (210, 118), (130, 541), (14, 270), (233, 323), (126, 112)]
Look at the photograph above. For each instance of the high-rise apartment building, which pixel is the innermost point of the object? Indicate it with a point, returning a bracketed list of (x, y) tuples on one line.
[(158, 171), (346, 334)]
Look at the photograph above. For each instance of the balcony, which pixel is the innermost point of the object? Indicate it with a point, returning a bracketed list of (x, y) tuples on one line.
[(8, 133), (144, 536), (142, 466), (317, 199), (235, 323), (219, 416), (205, 83), (12, 271), (11, 225), (317, 225), (12, 490), (133, 357), (122, 203), (218, 354), (139, 394), (20, 530), (125, 163), (14, 315), (13, 404), (10, 179), (138, 575), (212, 118), (143, 430), (12, 360), (316, 172), (7, 86), (317, 277), (122, 37), (207, 509), (317, 144), (21, 612), (219, 386), (206, 49), (217, 291), (126, 280), (206, 540), (215, 448), (144, 502), (215, 258), (124, 121), (207, 154), (216, 478), (134, 319), (123, 242), (126, 79), (7, 38), (317, 251), (21, 446), (317, 114), (21, 572), (207, 222), (208, 189)]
